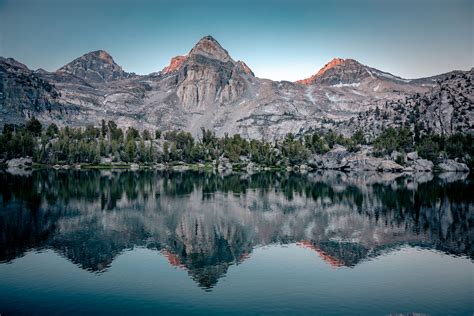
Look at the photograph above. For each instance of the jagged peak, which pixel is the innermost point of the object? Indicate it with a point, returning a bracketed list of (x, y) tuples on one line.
[(209, 47)]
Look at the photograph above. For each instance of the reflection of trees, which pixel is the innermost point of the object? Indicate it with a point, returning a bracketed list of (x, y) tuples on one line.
[(206, 222)]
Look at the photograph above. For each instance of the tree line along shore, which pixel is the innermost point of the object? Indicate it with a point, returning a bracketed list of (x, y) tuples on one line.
[(395, 149)]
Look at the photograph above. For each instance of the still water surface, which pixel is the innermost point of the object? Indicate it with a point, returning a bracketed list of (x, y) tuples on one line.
[(120, 242)]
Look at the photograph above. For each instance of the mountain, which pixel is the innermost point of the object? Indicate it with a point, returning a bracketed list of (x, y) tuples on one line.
[(348, 72), (23, 93), (97, 66), (207, 75), (446, 108), (207, 88)]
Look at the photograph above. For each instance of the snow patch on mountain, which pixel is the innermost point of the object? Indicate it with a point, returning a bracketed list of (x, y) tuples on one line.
[(340, 85)]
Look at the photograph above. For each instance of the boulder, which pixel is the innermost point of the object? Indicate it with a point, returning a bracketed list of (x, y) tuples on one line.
[(336, 158), (244, 159), (362, 162), (224, 164), (252, 167), (159, 166), (20, 163), (389, 165), (422, 165), (134, 166), (180, 167), (395, 154), (452, 165), (303, 168), (316, 161), (105, 161), (412, 156), (408, 169)]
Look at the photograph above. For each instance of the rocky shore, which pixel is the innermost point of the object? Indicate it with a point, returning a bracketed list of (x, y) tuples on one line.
[(339, 158)]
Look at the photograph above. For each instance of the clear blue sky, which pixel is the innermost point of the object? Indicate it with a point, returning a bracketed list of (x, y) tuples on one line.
[(281, 39)]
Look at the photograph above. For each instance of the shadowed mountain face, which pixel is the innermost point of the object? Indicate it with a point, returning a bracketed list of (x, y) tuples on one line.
[(204, 223), (95, 67), (207, 88), (22, 93)]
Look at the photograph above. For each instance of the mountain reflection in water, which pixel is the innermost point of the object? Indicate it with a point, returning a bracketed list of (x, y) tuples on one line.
[(206, 222)]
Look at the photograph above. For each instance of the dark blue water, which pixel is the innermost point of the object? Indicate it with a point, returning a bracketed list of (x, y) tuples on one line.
[(91, 242)]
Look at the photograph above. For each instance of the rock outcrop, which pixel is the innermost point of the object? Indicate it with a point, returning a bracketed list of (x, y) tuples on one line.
[(339, 158), (452, 165), (422, 165), (446, 108)]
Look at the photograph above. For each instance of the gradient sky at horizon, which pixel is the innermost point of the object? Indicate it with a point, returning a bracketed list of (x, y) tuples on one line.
[(279, 39)]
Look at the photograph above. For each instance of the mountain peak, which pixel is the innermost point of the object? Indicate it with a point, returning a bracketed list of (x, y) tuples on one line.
[(338, 69), (209, 38), (333, 63), (210, 48), (99, 54), (97, 66)]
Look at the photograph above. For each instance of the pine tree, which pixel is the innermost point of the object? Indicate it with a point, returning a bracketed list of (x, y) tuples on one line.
[(130, 150)]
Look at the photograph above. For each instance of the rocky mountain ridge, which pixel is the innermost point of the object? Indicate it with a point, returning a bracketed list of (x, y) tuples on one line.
[(207, 89), (447, 108)]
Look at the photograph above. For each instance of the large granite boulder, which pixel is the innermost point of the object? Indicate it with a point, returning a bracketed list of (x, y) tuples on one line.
[(389, 165), (422, 165), (21, 163), (452, 165), (224, 164), (412, 156), (316, 161), (339, 158), (362, 162), (336, 158)]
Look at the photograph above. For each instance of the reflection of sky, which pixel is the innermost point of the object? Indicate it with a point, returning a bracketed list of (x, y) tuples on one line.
[(279, 39), (273, 279)]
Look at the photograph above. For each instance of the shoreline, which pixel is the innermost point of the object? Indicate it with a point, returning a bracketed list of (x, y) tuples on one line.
[(238, 167)]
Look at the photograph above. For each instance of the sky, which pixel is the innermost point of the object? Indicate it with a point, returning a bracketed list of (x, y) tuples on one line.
[(279, 39)]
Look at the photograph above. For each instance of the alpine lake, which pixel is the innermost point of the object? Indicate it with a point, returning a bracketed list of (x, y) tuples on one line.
[(203, 243)]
